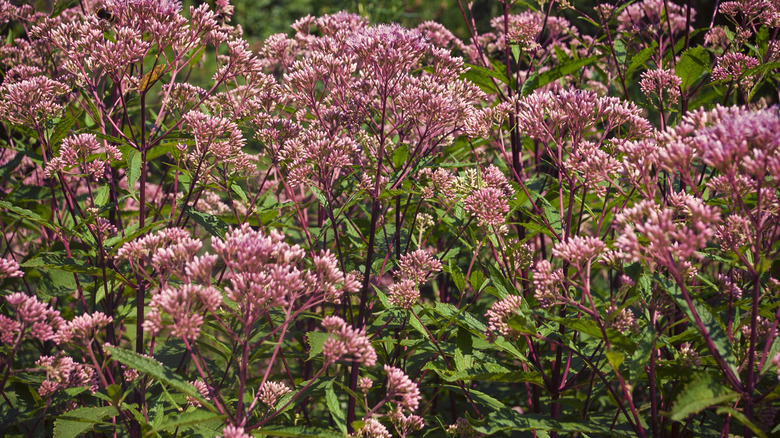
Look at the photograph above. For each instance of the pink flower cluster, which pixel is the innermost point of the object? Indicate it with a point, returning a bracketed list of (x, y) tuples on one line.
[(413, 270), (401, 390), (499, 315), (9, 268), (185, 304), (63, 372), (346, 341), (78, 151), (34, 319)]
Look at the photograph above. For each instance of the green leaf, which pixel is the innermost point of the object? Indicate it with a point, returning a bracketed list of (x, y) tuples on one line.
[(640, 58), (693, 63), (239, 191), (400, 154), (63, 127), (457, 276), (742, 419), (214, 225), (711, 324), (189, 418), (60, 260), (335, 408), (299, 431), (483, 78), (707, 390), (315, 341), (81, 420), (557, 72), (157, 371), (615, 359), (29, 215), (133, 158)]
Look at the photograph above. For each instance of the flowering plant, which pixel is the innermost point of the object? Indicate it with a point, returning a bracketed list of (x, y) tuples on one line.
[(566, 225)]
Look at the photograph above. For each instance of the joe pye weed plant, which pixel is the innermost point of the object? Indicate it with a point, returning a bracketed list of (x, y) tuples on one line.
[(564, 225)]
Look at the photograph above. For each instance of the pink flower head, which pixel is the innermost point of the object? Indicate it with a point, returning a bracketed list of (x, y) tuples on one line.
[(732, 66), (185, 305), (31, 102), (403, 294), (417, 265), (231, 431), (10, 269), (170, 248), (38, 317), (579, 250), (663, 84), (271, 392), (346, 341), (372, 429), (82, 328), (205, 391), (220, 141), (488, 204), (77, 151), (401, 390), (499, 315), (546, 281), (650, 17), (63, 372)]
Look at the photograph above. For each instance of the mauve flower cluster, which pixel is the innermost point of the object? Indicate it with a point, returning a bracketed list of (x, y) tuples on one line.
[(499, 315), (34, 319), (63, 372), (9, 268), (413, 270), (78, 151), (346, 341)]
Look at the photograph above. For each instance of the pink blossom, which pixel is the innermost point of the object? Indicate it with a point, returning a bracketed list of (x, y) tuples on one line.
[(546, 281), (185, 304), (372, 429), (579, 250), (31, 101), (488, 204), (82, 328), (401, 390), (9, 268), (205, 391), (654, 17), (499, 315), (231, 431), (418, 265), (38, 317), (346, 341), (271, 392), (77, 151), (403, 293), (662, 83)]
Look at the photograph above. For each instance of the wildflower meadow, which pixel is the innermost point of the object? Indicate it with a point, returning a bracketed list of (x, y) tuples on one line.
[(562, 223)]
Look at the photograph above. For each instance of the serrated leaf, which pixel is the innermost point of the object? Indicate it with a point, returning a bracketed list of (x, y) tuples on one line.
[(190, 418), (157, 371), (29, 215), (81, 420), (640, 58), (457, 276), (63, 127), (214, 225), (400, 154), (335, 408), (299, 431), (315, 341), (711, 324), (707, 390), (63, 262), (693, 62), (133, 158)]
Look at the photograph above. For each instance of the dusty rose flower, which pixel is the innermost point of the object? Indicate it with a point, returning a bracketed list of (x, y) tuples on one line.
[(417, 265), (205, 391), (401, 390), (652, 17), (499, 315), (33, 318), (231, 431), (10, 269), (403, 293), (346, 341), (82, 328), (622, 320), (365, 384), (732, 66), (170, 248), (488, 204), (271, 392), (546, 282), (185, 305), (31, 101), (63, 372), (579, 250), (405, 424), (372, 429), (663, 84)]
